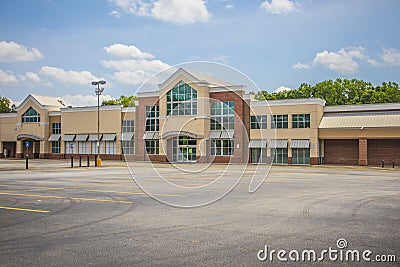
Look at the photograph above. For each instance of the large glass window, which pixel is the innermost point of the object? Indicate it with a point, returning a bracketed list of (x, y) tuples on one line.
[(152, 121), (279, 121), (128, 126), (258, 155), (94, 147), (222, 115), (56, 128), (258, 122), (70, 148), (128, 147), (31, 115), (222, 147), (83, 147), (301, 121), (182, 100), (279, 155), (55, 146), (300, 156), (152, 147), (111, 147)]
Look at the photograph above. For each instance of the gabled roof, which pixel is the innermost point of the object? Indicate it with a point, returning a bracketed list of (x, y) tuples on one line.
[(200, 79), (45, 102), (213, 82)]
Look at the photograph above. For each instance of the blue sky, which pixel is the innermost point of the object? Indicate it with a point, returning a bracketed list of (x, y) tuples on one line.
[(57, 48)]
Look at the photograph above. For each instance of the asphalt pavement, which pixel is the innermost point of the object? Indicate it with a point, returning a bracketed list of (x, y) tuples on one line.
[(54, 215)]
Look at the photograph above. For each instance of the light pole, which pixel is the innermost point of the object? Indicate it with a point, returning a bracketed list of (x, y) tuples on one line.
[(98, 92)]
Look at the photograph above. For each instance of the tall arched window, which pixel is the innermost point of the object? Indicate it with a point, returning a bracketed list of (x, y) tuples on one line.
[(31, 115), (182, 100)]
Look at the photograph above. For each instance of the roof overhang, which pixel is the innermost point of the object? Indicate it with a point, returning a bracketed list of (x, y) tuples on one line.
[(176, 133), (29, 136)]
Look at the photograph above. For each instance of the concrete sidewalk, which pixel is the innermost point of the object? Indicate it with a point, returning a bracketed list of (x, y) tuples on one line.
[(48, 164)]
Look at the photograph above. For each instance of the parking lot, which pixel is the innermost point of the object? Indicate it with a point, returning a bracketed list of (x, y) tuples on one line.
[(52, 215)]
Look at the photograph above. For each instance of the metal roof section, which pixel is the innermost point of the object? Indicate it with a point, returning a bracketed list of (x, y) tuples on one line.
[(69, 137), (260, 143), (278, 143), (128, 109), (288, 102), (214, 134), (227, 134), (109, 137), (128, 136), (54, 137), (148, 135), (91, 108), (8, 115), (93, 137), (81, 137), (148, 94), (362, 107), (299, 143), (360, 121)]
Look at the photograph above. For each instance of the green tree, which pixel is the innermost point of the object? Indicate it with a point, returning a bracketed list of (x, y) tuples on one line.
[(126, 101), (6, 106), (341, 92)]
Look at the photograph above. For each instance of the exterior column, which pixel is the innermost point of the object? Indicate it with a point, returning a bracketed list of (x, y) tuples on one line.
[(363, 152), (20, 150)]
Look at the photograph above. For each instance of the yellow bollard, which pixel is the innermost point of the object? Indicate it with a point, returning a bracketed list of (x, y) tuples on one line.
[(98, 163)]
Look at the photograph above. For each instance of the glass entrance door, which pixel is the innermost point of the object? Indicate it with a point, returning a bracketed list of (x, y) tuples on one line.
[(183, 149), (258, 155)]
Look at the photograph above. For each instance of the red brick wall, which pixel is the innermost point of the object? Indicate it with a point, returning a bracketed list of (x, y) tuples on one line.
[(241, 127), (341, 151), (140, 126), (383, 149)]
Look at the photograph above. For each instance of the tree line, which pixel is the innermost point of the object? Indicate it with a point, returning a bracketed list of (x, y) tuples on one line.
[(340, 92), (337, 92)]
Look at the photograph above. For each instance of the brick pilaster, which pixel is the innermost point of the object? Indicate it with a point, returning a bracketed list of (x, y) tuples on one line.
[(363, 152)]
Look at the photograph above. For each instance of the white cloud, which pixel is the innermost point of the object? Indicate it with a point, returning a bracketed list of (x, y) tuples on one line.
[(279, 6), (134, 72), (175, 11), (220, 58), (342, 61), (11, 51), (7, 78), (282, 89), (229, 7), (115, 13), (126, 51), (83, 100), (298, 65), (133, 64), (68, 77), (30, 77), (391, 56)]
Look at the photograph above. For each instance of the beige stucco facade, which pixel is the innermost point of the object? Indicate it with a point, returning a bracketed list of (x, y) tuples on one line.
[(61, 132)]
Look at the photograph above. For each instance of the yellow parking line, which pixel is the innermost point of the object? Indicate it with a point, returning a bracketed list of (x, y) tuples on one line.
[(92, 190), (132, 193), (24, 209), (64, 197)]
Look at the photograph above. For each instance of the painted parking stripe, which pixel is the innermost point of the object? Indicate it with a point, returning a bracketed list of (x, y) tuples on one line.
[(65, 197), (24, 209)]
